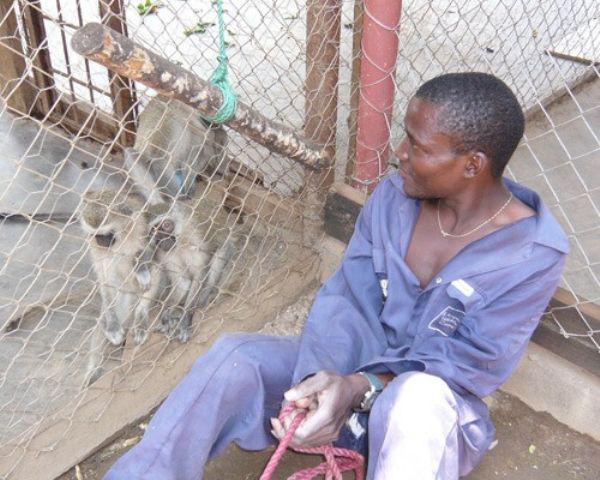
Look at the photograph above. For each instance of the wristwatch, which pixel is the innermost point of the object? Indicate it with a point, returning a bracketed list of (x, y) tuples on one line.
[(376, 387)]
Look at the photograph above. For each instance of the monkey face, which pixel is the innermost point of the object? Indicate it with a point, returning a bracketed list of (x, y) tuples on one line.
[(106, 240), (163, 234)]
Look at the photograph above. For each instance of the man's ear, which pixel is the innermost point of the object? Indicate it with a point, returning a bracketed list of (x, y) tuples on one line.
[(475, 163)]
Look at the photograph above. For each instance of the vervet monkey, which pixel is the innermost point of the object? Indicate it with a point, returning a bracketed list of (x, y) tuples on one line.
[(172, 147), (123, 259), (195, 247)]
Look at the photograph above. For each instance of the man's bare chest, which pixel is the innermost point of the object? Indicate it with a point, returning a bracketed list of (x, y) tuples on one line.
[(428, 251)]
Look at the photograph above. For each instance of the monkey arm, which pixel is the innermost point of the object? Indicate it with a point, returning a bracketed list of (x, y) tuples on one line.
[(143, 262), (218, 265), (140, 176), (187, 172), (112, 326)]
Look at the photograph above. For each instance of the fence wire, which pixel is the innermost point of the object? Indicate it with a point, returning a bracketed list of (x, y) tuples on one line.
[(73, 139), (547, 52)]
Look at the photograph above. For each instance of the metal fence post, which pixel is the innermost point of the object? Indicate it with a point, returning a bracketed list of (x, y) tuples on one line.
[(377, 88)]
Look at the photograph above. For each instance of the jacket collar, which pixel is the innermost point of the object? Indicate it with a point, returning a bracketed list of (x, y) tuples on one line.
[(502, 248), (547, 230)]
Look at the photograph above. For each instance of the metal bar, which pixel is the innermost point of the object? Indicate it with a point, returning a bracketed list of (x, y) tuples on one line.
[(82, 82), (57, 21), (123, 56), (63, 39), (377, 88), (86, 61)]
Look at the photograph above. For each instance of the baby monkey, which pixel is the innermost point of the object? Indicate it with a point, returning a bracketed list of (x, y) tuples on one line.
[(123, 259), (194, 246)]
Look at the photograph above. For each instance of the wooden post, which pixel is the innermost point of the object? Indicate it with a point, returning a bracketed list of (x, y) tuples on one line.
[(122, 91), (40, 57), (123, 56), (323, 18), (15, 87)]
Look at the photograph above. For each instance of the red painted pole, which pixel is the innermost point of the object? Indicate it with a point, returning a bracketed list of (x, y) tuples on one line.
[(377, 88)]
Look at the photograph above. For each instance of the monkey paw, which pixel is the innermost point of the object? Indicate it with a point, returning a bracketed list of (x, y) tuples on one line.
[(184, 333), (163, 325), (115, 336), (176, 324), (169, 321), (144, 278), (140, 335)]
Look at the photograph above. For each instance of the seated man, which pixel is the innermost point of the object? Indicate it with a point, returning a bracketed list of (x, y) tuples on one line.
[(443, 282)]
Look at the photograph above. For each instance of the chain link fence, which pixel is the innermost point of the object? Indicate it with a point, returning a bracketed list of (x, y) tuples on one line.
[(547, 52), (68, 127)]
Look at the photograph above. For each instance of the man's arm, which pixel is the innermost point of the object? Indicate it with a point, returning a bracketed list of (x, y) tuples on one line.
[(478, 358), (343, 329), (342, 332)]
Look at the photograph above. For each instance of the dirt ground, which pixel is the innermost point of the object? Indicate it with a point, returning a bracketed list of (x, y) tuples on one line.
[(531, 446)]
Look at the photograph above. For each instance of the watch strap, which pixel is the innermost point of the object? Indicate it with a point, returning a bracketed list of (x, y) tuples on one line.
[(375, 388), (376, 384)]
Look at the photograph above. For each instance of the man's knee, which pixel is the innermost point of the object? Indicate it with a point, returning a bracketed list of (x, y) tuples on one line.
[(228, 349), (242, 353), (412, 398)]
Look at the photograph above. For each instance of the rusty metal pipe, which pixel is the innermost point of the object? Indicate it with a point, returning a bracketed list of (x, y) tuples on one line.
[(128, 59), (377, 89)]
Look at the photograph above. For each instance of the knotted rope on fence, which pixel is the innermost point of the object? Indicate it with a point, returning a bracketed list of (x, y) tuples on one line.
[(220, 77), (337, 460)]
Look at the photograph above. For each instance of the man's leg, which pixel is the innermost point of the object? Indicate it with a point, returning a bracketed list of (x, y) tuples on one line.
[(413, 430), (229, 395)]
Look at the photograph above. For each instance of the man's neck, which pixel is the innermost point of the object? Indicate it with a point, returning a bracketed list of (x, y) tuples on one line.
[(473, 205)]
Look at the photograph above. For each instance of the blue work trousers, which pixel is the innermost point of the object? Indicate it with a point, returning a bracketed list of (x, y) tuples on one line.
[(234, 389)]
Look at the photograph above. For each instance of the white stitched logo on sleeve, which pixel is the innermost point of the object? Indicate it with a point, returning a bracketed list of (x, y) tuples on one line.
[(447, 321)]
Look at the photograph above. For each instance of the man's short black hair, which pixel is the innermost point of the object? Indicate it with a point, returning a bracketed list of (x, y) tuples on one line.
[(480, 112)]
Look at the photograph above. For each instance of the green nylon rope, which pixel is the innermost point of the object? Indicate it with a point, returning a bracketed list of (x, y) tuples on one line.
[(219, 78)]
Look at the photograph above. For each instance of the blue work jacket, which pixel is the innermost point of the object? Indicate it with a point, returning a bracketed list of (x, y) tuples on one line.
[(469, 326)]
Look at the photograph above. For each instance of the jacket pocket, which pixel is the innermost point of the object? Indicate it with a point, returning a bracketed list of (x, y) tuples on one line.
[(451, 306)]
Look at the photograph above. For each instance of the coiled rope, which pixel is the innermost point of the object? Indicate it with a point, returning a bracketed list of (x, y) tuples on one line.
[(337, 460)]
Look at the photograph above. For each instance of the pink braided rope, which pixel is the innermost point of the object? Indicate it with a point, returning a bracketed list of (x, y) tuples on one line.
[(332, 468)]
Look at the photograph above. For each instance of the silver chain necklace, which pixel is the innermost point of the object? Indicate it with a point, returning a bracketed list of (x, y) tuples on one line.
[(462, 235)]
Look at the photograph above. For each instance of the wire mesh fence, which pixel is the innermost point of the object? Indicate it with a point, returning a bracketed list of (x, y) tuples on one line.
[(110, 240), (111, 194), (547, 52)]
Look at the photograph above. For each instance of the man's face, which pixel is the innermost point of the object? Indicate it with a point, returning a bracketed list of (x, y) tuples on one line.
[(428, 165)]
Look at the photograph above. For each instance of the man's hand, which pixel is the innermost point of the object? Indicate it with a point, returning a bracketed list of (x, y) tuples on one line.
[(329, 398)]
